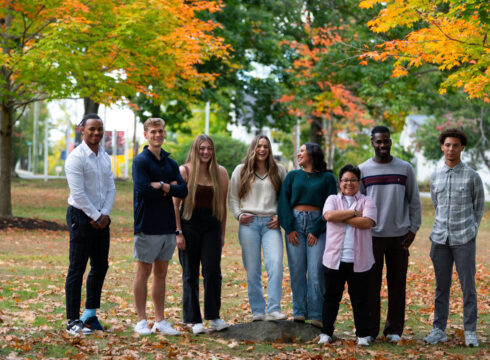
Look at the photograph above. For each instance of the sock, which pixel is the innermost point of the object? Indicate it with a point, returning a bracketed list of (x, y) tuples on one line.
[(88, 313)]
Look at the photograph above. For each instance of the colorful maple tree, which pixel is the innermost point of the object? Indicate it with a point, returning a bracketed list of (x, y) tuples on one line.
[(451, 34), (317, 98)]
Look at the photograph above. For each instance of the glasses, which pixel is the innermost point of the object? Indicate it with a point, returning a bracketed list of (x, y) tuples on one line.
[(345, 181)]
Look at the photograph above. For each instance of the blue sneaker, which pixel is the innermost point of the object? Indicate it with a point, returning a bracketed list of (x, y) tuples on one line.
[(93, 323)]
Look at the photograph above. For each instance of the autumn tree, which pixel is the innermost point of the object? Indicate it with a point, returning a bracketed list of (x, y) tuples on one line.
[(317, 99), (450, 34), (103, 50)]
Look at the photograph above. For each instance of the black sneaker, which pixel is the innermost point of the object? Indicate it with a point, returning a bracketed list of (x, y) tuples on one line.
[(76, 327), (93, 323)]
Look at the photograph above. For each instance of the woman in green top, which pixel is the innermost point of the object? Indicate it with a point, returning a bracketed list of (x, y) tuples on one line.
[(302, 196)]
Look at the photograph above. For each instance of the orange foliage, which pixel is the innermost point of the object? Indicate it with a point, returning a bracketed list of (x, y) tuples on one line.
[(457, 44), (323, 99)]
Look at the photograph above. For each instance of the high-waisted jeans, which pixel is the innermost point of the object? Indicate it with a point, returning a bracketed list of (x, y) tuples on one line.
[(306, 269), (252, 238)]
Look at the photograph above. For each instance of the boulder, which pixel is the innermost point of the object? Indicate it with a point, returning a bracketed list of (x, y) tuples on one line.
[(281, 331)]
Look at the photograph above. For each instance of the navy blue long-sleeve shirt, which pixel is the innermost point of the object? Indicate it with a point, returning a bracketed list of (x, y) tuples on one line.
[(153, 212)]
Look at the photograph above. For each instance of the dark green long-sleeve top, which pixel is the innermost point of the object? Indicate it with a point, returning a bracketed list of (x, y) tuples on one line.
[(304, 188)]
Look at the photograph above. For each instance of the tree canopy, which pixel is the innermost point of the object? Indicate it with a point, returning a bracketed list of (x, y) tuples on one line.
[(451, 34), (103, 50)]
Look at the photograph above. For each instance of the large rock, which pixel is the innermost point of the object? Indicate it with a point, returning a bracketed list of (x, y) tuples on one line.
[(271, 331)]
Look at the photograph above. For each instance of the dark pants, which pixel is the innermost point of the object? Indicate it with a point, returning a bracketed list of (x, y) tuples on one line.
[(358, 288), (388, 249), (202, 246), (85, 243), (443, 257)]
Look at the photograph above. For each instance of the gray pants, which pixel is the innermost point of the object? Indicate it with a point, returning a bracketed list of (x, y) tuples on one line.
[(443, 257)]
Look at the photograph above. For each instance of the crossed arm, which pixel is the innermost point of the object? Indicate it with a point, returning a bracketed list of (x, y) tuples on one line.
[(348, 217)]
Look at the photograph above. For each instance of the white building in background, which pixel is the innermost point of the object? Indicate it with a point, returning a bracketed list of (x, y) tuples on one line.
[(242, 133), (423, 167)]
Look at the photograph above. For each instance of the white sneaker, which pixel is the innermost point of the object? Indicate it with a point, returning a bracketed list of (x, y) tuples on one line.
[(470, 339), (142, 328), (363, 341), (199, 329), (165, 328), (218, 325), (436, 336), (394, 338), (275, 315), (258, 317), (324, 338)]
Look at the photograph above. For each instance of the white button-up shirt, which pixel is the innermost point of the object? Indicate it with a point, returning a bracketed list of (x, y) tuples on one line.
[(90, 180)]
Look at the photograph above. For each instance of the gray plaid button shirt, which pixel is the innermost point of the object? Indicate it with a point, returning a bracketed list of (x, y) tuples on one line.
[(459, 200)]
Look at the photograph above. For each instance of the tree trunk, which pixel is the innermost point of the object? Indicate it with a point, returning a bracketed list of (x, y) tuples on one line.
[(329, 145), (6, 114), (316, 131), (90, 107)]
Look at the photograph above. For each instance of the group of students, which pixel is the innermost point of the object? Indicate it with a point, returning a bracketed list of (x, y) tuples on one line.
[(331, 237)]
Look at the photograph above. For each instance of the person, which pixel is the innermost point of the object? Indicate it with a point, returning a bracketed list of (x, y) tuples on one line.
[(156, 179), (392, 184), (201, 224), (348, 254), (303, 193), (459, 201), (253, 193), (92, 192)]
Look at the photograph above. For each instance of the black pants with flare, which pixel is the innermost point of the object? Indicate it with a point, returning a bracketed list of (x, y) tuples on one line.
[(202, 235)]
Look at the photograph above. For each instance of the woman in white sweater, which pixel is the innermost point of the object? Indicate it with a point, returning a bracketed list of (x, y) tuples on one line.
[(253, 194)]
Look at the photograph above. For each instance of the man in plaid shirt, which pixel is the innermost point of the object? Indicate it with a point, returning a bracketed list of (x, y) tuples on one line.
[(459, 201)]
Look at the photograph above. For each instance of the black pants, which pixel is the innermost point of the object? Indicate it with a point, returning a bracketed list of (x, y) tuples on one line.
[(85, 243), (388, 249), (334, 288), (202, 246)]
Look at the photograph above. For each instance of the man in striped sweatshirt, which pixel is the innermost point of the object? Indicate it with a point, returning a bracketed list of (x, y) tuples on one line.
[(392, 184)]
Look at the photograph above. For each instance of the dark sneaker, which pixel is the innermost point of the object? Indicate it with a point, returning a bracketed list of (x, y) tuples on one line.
[(93, 323), (77, 327)]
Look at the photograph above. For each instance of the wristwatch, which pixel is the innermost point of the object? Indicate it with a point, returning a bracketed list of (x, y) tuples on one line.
[(161, 184), (355, 213), (178, 232)]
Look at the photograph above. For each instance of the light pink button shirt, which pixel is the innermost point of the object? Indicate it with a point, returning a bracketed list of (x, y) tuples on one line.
[(363, 243)]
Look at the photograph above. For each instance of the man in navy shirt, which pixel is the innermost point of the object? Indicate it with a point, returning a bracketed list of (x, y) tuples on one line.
[(156, 179)]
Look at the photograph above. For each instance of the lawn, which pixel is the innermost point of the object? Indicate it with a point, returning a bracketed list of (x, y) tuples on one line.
[(33, 267)]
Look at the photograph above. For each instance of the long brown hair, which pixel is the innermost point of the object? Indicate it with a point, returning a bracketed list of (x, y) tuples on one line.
[(194, 165), (247, 175)]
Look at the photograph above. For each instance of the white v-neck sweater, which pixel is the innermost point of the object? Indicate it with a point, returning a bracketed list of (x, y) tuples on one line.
[(261, 199)]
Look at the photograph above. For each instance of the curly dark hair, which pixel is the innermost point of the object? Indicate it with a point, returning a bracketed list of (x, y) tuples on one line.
[(317, 158), (455, 133)]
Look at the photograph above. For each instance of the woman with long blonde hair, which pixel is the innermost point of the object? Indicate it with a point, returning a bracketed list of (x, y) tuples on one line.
[(201, 221), (254, 190)]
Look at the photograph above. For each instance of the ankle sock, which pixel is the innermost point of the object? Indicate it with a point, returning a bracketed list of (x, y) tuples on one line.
[(88, 313)]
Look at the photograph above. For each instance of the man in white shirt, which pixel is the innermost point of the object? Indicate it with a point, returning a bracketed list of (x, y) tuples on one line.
[(92, 192)]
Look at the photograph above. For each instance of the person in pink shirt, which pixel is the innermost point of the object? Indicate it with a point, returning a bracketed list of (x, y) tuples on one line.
[(348, 254)]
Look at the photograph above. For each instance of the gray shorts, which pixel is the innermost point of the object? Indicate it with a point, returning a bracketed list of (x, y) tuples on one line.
[(149, 248)]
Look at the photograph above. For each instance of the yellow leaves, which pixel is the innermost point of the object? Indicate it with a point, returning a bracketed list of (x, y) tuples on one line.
[(367, 4), (445, 39)]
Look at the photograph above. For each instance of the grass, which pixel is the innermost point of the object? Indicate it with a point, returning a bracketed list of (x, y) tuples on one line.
[(33, 267)]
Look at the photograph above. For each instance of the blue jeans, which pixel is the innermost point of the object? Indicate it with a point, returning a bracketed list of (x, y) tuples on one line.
[(252, 238), (306, 269)]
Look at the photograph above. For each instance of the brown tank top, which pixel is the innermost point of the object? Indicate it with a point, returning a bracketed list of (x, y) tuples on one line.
[(204, 197)]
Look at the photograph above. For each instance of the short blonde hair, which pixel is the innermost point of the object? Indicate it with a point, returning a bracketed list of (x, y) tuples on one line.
[(152, 122)]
